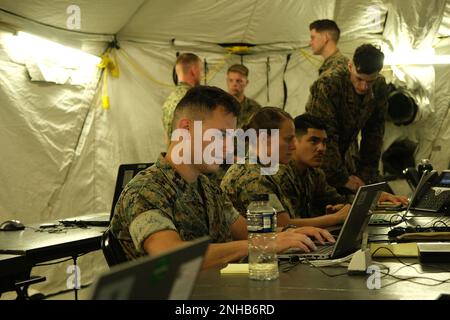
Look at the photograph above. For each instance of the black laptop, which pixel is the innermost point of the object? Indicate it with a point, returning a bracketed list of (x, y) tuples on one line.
[(168, 276), (349, 239)]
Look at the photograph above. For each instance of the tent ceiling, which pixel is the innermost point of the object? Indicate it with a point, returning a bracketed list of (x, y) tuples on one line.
[(99, 16), (219, 21), (216, 21)]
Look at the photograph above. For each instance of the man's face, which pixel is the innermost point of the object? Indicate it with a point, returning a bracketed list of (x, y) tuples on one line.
[(311, 148), (361, 82), (197, 72), (221, 120), (318, 41), (236, 83)]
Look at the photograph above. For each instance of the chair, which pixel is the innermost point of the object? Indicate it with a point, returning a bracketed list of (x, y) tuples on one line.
[(112, 250)]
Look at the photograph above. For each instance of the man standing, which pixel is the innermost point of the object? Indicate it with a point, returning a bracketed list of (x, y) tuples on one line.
[(237, 81), (350, 100), (188, 68), (324, 38)]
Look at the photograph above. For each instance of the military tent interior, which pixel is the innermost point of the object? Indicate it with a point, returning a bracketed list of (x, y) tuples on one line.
[(67, 121)]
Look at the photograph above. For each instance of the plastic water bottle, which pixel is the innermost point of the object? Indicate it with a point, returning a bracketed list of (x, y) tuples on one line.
[(261, 225)]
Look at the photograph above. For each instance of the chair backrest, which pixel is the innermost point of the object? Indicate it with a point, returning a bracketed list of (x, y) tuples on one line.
[(125, 173), (112, 250)]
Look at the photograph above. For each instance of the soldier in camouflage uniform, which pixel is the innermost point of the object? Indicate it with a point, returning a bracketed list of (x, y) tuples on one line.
[(305, 183), (189, 72), (172, 202), (237, 81), (324, 38), (348, 101)]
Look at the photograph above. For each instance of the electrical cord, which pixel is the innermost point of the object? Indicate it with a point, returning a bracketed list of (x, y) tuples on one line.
[(410, 278)]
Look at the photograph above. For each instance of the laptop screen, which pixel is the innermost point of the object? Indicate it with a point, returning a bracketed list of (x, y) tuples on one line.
[(169, 276), (350, 237)]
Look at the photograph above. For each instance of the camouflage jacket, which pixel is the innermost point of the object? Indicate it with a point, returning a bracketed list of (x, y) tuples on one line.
[(248, 108), (333, 62), (158, 198), (308, 191), (169, 106), (242, 181), (334, 100)]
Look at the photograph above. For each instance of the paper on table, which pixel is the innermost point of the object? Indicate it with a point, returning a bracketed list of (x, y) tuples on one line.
[(235, 268)]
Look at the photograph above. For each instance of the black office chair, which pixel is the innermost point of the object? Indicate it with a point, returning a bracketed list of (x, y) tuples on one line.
[(112, 250)]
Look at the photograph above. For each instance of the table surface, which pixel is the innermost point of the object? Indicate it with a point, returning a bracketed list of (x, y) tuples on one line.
[(39, 245), (307, 282)]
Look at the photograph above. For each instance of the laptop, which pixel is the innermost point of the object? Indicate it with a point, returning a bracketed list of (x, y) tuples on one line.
[(349, 239), (168, 276), (89, 220)]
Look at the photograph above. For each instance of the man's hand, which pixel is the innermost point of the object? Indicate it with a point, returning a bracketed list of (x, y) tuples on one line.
[(353, 183), (321, 235), (342, 214), (333, 209), (287, 240), (387, 197)]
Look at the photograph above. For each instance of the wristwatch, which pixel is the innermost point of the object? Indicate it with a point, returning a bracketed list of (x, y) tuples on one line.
[(289, 226)]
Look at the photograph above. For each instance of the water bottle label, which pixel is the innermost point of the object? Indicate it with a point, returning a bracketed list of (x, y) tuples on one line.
[(261, 222)]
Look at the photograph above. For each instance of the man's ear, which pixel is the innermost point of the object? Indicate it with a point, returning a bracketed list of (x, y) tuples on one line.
[(184, 123), (350, 66)]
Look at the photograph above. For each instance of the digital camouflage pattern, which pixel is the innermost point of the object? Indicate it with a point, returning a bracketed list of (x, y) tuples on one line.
[(345, 113), (170, 104), (333, 62), (243, 181), (158, 198), (308, 191), (248, 108)]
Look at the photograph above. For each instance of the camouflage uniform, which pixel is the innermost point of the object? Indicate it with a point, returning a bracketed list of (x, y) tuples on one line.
[(334, 100), (158, 198), (308, 191), (248, 108), (242, 181), (170, 104), (333, 62)]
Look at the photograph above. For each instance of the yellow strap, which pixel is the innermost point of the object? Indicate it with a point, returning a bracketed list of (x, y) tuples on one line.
[(310, 58)]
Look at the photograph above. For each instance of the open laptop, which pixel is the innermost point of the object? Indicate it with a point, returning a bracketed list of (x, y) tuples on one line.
[(349, 239), (168, 276)]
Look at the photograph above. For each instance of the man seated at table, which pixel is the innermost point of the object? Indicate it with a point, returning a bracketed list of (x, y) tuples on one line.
[(315, 201), (173, 201)]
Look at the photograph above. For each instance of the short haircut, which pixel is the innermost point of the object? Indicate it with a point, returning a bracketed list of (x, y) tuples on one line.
[(268, 118), (202, 100), (186, 60), (239, 68), (328, 26), (307, 121), (368, 59)]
